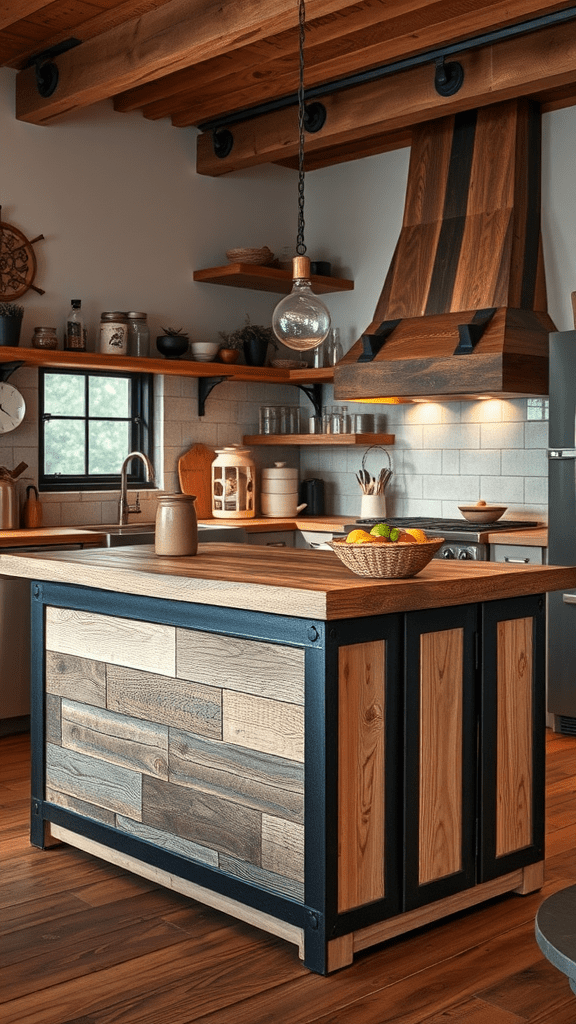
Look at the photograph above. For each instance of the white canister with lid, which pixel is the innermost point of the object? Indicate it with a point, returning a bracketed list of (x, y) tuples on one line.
[(176, 525), (113, 333), (279, 492), (233, 483)]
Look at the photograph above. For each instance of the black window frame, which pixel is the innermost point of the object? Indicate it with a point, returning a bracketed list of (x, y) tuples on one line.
[(141, 433)]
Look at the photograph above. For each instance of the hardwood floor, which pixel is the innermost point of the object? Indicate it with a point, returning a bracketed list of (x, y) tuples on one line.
[(83, 942)]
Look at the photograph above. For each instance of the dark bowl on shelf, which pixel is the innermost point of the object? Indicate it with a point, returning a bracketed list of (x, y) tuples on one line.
[(172, 346)]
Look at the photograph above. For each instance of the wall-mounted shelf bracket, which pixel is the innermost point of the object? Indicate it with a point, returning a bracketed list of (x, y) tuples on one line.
[(314, 393), (7, 368), (372, 343), (205, 386), (471, 333)]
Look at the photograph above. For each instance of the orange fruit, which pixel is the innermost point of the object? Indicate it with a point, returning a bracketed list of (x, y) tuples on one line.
[(359, 537), (406, 537), (418, 535)]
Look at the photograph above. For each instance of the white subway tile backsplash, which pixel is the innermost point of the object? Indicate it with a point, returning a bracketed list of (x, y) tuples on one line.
[(502, 435), (501, 490), (525, 462), (481, 462), (451, 435), (536, 434), (536, 491)]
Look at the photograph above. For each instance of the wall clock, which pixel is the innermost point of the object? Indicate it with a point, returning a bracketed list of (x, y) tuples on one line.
[(17, 262), (12, 408)]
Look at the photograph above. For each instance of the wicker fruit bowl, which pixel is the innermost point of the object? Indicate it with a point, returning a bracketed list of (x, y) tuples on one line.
[(386, 561)]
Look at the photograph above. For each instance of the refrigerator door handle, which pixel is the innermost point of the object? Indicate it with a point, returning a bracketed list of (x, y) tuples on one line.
[(569, 598), (561, 453)]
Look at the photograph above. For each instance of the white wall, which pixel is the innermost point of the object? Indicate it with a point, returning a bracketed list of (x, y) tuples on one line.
[(126, 220)]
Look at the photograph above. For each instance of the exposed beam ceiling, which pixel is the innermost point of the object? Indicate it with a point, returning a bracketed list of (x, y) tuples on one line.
[(196, 60)]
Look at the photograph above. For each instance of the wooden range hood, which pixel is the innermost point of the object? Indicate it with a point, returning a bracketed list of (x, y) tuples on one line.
[(463, 311)]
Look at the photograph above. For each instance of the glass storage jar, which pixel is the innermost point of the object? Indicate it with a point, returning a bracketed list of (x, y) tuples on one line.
[(138, 334), (176, 525), (45, 337)]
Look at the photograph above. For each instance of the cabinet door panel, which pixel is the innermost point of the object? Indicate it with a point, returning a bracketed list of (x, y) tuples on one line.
[(440, 768), (512, 739)]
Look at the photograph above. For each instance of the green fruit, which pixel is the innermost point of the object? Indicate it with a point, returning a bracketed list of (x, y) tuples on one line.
[(380, 530), (395, 533)]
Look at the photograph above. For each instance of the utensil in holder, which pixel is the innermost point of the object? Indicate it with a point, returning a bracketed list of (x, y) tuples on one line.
[(373, 502)]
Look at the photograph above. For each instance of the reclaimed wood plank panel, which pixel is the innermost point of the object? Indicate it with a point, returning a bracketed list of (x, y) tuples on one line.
[(267, 879), (83, 807), (167, 840), (202, 818), (105, 785), (80, 679), (130, 742), (266, 783), (264, 669), (440, 773), (514, 766), (270, 726), (168, 701), (361, 749), (145, 645), (283, 847), (53, 719)]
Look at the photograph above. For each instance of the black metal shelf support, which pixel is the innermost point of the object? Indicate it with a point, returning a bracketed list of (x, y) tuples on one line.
[(207, 384)]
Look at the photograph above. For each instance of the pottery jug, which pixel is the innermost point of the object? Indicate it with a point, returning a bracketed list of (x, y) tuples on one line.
[(176, 525)]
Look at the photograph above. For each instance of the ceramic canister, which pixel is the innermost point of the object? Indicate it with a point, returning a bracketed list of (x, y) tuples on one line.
[(176, 525), (279, 491), (233, 483)]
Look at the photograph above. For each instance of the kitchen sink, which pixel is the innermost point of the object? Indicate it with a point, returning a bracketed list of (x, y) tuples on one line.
[(132, 533)]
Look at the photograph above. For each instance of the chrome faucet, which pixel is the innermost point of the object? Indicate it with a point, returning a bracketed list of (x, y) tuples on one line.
[(123, 507)]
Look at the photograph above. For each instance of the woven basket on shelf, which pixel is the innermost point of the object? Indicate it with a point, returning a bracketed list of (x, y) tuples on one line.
[(386, 561), (260, 257)]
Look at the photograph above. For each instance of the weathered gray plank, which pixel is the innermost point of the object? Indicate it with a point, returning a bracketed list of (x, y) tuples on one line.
[(202, 818), (78, 678), (146, 645), (283, 847), (53, 721), (117, 739), (265, 879), (82, 807), (272, 726), (251, 666), (87, 778), (166, 700), (168, 841), (267, 783)]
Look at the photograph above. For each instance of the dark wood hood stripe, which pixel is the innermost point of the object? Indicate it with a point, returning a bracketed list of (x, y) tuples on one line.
[(454, 215), (532, 236)]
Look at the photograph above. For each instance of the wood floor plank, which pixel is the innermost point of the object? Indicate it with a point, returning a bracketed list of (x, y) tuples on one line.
[(86, 942)]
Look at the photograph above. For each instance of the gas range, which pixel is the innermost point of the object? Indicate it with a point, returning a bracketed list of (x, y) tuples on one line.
[(464, 540)]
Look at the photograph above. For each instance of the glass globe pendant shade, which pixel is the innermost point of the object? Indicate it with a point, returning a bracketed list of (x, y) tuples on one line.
[(301, 320)]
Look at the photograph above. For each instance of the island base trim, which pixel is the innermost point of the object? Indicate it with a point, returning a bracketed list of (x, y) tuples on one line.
[(522, 881), (257, 918)]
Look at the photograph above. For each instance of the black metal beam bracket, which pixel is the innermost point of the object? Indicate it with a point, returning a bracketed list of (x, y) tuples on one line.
[(471, 333), (8, 368), (372, 343), (47, 73), (223, 142), (448, 77)]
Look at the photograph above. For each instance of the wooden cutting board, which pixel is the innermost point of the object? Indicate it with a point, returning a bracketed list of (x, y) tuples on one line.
[(194, 473)]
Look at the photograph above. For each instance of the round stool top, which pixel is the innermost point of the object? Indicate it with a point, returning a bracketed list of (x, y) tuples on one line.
[(556, 930)]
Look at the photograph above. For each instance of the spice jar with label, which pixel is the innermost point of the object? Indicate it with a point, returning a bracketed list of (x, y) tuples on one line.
[(114, 333), (45, 337), (176, 525)]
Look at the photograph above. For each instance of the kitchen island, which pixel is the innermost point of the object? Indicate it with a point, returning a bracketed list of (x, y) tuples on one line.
[(334, 759)]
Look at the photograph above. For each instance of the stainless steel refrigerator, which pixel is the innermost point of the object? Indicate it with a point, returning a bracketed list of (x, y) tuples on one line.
[(562, 529)]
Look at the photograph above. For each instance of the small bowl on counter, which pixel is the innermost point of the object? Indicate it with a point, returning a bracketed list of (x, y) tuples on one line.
[(204, 351), (482, 513)]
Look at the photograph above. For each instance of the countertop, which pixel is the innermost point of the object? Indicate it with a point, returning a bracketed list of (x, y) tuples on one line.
[(50, 535), (284, 581)]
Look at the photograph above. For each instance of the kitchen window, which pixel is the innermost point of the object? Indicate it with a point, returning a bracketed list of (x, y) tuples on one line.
[(89, 421)]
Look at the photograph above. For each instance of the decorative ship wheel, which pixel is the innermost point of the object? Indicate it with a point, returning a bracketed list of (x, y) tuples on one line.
[(17, 262)]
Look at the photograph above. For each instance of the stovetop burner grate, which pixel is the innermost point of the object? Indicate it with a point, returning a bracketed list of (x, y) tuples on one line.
[(449, 525)]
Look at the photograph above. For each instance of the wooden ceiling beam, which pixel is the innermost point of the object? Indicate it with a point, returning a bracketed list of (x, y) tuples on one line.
[(15, 10), (530, 65), (371, 34), (176, 35)]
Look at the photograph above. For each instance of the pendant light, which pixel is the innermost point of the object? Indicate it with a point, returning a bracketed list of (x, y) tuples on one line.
[(301, 320)]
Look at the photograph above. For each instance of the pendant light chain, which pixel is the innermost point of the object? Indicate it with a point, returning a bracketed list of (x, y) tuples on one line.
[(300, 245)]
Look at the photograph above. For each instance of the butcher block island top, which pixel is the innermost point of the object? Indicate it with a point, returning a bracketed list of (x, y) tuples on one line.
[(285, 581)]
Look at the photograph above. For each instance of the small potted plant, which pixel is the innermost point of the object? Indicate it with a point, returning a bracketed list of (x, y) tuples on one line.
[(10, 323), (173, 343), (252, 339)]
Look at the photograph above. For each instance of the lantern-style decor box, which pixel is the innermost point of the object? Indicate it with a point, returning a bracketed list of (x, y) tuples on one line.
[(233, 483)]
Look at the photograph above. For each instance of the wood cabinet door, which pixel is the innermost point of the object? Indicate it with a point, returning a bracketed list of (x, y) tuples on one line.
[(512, 735), (440, 769)]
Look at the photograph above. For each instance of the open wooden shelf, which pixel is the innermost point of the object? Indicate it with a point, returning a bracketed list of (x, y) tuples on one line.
[(318, 439), (267, 279), (173, 367)]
